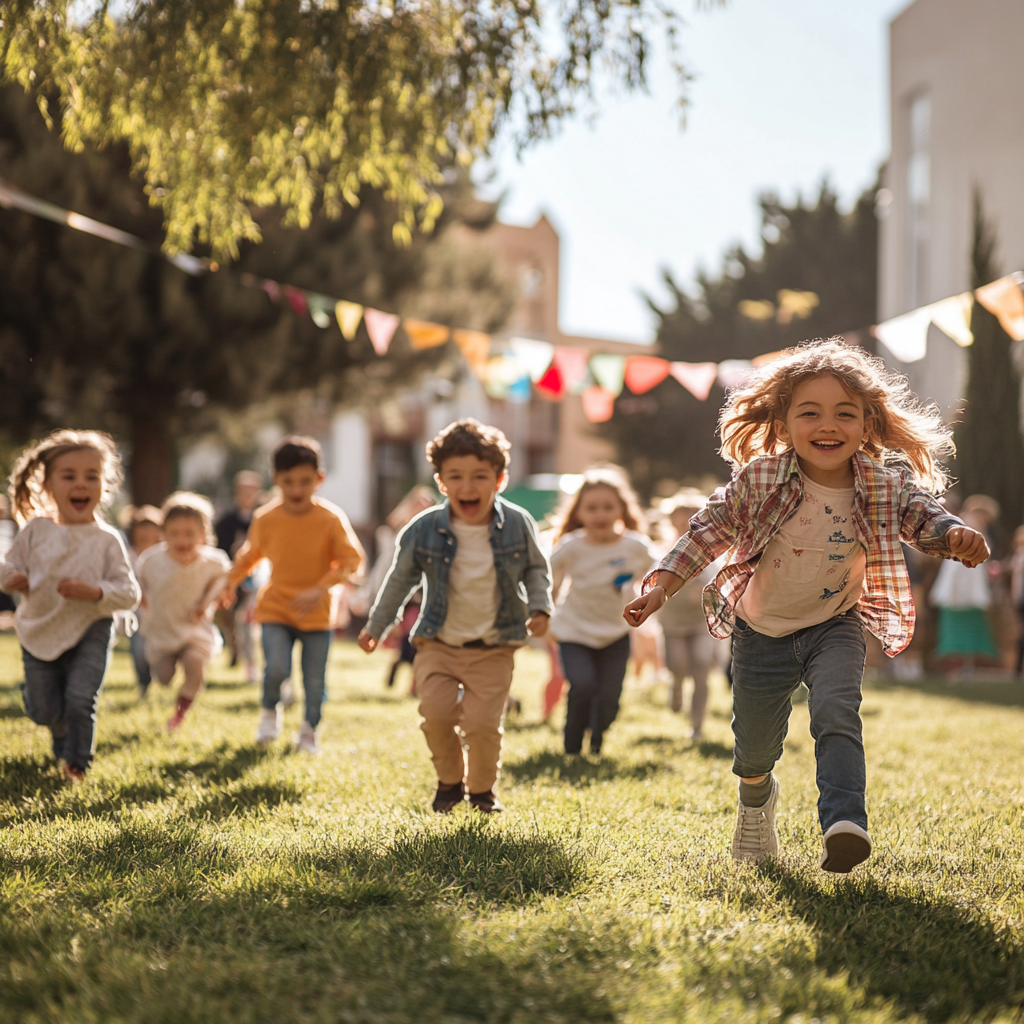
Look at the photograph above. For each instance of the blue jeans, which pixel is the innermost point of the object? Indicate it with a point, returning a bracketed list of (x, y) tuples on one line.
[(595, 677), (142, 670), (62, 694), (829, 658), (278, 640)]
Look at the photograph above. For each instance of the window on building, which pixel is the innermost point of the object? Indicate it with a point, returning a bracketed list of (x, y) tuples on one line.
[(918, 197)]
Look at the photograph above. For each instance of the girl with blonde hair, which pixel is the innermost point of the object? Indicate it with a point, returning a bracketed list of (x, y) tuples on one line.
[(72, 572), (835, 463)]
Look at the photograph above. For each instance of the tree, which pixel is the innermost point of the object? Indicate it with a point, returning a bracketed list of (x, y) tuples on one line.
[(227, 104), (93, 334), (990, 451), (816, 276)]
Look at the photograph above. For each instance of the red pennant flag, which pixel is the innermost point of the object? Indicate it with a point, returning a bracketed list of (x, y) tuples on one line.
[(296, 299), (598, 404), (552, 384), (697, 378), (381, 327), (645, 372), (572, 363)]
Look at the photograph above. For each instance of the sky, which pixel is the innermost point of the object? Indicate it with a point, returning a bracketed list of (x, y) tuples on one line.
[(785, 92)]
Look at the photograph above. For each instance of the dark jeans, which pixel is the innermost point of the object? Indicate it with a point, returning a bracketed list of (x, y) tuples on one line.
[(278, 640), (62, 694), (829, 658), (143, 673), (595, 677)]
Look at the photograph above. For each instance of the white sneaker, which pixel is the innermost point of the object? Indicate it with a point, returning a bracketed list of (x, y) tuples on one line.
[(271, 720), (287, 694), (307, 740), (845, 845), (755, 836)]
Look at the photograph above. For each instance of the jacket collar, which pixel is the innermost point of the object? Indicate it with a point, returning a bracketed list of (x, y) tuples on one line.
[(444, 516)]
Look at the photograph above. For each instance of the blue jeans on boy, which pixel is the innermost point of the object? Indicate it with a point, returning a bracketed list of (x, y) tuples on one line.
[(278, 640), (595, 677), (62, 694), (829, 658), (143, 673)]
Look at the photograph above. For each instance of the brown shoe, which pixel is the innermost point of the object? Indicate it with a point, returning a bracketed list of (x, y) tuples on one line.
[(486, 803), (447, 798), (74, 774)]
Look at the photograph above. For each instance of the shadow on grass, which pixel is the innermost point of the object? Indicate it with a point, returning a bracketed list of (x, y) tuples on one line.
[(579, 770), (927, 955), (1008, 694), (245, 798), (677, 746), (29, 777)]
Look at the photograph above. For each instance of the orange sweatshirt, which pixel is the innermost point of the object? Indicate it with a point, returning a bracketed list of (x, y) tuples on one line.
[(317, 548)]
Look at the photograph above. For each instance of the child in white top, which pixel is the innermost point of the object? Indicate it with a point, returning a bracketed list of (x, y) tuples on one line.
[(141, 527), (73, 574), (181, 579), (599, 550)]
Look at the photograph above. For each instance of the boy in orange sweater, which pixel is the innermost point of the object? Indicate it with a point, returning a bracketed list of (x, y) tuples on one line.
[(311, 547)]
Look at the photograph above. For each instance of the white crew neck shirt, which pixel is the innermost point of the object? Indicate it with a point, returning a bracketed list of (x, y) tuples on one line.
[(472, 587), (811, 570)]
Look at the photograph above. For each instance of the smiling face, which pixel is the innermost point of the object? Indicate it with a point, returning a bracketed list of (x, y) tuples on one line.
[(184, 535), (825, 424), (298, 485), (470, 484), (600, 512), (75, 482)]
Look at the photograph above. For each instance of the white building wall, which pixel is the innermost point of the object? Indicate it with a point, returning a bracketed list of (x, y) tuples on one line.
[(349, 482)]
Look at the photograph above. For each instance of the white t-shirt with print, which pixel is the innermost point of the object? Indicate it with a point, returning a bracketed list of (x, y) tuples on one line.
[(811, 570), (597, 584), (472, 587)]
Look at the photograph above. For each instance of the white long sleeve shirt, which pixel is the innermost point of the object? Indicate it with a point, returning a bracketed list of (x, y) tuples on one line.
[(48, 552)]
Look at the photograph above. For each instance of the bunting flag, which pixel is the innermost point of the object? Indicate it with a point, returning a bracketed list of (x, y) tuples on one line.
[(1005, 300), (733, 373), (296, 299), (272, 288), (644, 373), (572, 364), (349, 316), (598, 404), (906, 336), (697, 378), (424, 334), (952, 316), (534, 355), (609, 371), (475, 347), (381, 327), (519, 391), (552, 384), (320, 308)]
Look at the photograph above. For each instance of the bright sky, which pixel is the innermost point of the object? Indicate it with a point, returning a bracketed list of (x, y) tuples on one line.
[(786, 91)]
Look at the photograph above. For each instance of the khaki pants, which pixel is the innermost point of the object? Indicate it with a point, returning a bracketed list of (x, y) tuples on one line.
[(485, 675)]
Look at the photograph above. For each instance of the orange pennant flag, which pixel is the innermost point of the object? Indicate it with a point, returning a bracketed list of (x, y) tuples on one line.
[(424, 334), (645, 372), (598, 404), (475, 347), (1004, 300)]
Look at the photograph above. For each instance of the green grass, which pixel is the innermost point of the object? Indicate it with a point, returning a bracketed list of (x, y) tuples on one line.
[(196, 879)]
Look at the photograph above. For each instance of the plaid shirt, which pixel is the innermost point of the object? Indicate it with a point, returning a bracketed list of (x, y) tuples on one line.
[(743, 516)]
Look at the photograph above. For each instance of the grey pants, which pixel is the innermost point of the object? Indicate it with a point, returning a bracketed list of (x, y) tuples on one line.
[(62, 694)]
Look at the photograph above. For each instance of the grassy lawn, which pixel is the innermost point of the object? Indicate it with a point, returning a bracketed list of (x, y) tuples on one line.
[(197, 879)]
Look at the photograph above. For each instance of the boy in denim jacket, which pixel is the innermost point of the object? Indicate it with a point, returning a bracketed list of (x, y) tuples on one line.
[(486, 585)]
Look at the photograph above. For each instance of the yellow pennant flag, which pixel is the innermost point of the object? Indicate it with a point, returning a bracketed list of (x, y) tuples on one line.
[(424, 334), (475, 347), (348, 314)]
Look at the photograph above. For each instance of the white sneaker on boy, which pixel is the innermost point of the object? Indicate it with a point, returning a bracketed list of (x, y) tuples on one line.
[(307, 740), (271, 720), (845, 845), (755, 836)]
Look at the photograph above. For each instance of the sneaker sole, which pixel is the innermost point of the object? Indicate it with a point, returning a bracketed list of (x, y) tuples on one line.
[(844, 851)]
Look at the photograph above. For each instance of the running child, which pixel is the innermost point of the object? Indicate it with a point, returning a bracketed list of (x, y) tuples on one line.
[(311, 548), (72, 572), (142, 526), (181, 578), (599, 552), (486, 584), (836, 463)]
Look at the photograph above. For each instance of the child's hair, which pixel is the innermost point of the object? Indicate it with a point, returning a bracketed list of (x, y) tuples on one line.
[(899, 428), (567, 518), (470, 437), (29, 493), (297, 450), (186, 505), (134, 516)]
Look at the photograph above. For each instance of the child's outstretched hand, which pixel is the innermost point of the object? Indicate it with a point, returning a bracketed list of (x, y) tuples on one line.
[(227, 597), (18, 583), (77, 590), (639, 611), (367, 642), (537, 624), (967, 545)]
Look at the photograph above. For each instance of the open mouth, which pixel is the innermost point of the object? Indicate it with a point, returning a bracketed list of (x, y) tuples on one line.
[(469, 506), (827, 446), (80, 504)]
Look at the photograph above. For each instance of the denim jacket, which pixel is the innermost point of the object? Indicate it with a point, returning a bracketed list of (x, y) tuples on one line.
[(424, 553)]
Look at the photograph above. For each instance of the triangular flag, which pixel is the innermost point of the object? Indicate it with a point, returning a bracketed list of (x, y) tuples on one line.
[(424, 334), (272, 288), (535, 356), (349, 315), (320, 308), (552, 384), (381, 327), (598, 404), (572, 364), (732, 373), (475, 347), (519, 392), (609, 371), (906, 336), (296, 299), (644, 373), (697, 378), (1004, 300), (952, 316)]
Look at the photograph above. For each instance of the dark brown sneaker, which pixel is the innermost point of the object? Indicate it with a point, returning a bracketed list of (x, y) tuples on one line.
[(486, 803), (447, 798)]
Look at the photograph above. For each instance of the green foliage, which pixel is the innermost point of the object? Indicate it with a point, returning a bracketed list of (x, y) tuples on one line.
[(226, 104), (805, 248), (197, 878)]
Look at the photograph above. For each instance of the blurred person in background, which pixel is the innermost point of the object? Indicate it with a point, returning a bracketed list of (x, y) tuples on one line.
[(142, 526), (8, 531), (1014, 565)]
